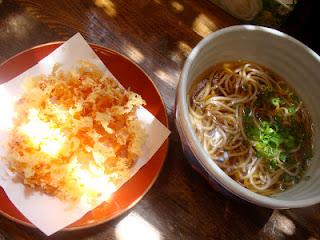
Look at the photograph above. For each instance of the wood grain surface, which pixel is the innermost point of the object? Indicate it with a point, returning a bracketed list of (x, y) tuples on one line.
[(158, 35)]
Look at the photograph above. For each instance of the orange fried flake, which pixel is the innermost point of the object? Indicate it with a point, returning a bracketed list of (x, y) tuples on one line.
[(75, 131)]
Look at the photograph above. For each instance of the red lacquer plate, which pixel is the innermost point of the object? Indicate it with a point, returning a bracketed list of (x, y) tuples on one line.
[(130, 75)]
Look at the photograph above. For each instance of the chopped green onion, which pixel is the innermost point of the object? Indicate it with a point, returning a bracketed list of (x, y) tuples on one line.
[(276, 101), (292, 109)]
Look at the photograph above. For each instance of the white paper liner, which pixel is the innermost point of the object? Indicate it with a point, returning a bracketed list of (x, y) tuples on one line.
[(48, 213)]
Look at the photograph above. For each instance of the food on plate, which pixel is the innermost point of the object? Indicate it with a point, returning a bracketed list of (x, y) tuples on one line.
[(76, 134), (252, 124)]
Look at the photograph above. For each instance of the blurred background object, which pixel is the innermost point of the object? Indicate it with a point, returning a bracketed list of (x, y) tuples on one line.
[(270, 13), (302, 23)]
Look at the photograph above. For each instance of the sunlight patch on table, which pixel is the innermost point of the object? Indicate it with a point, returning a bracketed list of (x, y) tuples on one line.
[(19, 25), (184, 48), (169, 77), (284, 224), (279, 224), (203, 25), (108, 7), (178, 7), (133, 53), (134, 227), (181, 52)]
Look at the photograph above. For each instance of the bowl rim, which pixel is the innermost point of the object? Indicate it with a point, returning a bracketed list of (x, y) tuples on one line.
[(198, 151)]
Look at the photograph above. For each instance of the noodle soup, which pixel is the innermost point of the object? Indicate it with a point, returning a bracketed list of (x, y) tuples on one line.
[(252, 124)]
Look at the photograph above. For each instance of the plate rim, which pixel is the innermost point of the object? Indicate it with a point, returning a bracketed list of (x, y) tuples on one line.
[(166, 142)]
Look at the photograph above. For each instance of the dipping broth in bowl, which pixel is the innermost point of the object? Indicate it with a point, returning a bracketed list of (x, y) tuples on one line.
[(253, 125)]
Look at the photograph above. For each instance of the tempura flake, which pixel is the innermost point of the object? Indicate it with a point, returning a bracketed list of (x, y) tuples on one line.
[(76, 133)]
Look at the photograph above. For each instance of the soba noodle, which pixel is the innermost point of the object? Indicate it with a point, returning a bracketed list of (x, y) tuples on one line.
[(252, 124)]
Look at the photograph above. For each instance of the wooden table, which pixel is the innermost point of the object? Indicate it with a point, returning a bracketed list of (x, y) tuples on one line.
[(158, 35)]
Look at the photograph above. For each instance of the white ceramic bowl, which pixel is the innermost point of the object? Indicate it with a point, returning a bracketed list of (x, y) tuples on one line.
[(285, 56)]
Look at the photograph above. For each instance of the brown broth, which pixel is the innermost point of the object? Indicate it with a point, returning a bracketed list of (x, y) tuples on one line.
[(294, 128)]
